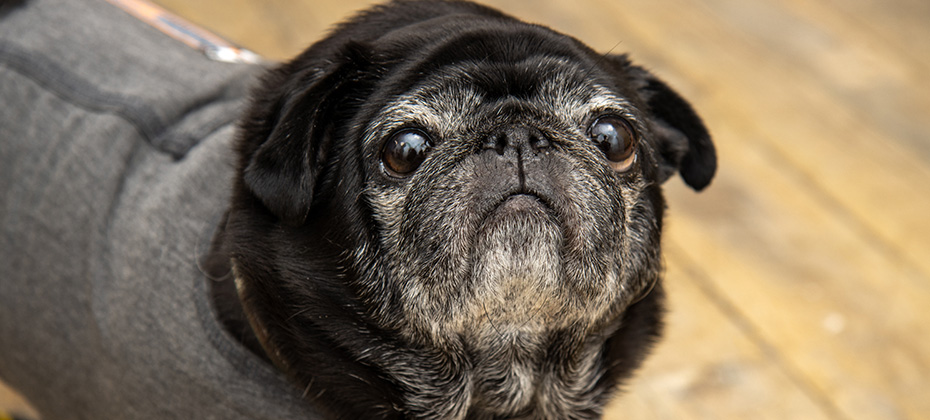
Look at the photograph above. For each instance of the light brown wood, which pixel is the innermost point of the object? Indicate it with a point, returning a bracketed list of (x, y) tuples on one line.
[(799, 282)]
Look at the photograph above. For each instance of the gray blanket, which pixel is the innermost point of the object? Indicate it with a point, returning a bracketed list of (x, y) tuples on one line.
[(114, 168)]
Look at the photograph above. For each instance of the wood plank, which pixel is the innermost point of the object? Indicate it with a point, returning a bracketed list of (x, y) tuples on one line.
[(851, 322), (707, 367), (901, 25), (873, 179), (278, 30), (886, 81), (11, 403)]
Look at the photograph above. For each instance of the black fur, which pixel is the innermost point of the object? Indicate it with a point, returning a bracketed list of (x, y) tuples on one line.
[(7, 6), (303, 235)]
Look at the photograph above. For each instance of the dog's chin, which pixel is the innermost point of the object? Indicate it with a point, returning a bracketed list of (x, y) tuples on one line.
[(518, 273)]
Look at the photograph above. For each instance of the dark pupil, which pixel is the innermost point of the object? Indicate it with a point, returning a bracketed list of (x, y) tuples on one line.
[(613, 138), (405, 152)]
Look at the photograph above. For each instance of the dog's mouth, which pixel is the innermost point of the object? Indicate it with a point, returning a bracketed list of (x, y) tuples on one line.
[(522, 202), (519, 205)]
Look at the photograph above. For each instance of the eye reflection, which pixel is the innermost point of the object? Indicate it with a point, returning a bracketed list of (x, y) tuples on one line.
[(405, 151), (614, 136)]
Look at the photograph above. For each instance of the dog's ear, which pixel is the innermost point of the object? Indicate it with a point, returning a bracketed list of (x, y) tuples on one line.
[(683, 143), (286, 135)]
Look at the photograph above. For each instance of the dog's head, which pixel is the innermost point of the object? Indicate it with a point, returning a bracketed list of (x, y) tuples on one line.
[(440, 178)]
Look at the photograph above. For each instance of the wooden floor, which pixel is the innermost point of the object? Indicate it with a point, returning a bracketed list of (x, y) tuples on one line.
[(799, 282)]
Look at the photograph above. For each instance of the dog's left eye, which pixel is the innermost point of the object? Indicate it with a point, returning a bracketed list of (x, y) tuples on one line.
[(614, 136), (405, 151)]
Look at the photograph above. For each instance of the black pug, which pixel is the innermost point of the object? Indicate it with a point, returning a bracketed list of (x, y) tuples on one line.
[(442, 212)]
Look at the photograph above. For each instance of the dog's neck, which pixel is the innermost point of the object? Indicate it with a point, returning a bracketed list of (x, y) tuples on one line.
[(544, 375), (501, 374), (494, 375), (490, 374)]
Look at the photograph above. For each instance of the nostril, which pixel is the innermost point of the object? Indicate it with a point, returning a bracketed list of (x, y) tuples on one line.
[(539, 141), (496, 142), (518, 138)]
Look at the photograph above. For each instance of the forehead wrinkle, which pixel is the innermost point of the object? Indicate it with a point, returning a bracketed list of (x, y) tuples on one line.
[(606, 100), (446, 101), (436, 107)]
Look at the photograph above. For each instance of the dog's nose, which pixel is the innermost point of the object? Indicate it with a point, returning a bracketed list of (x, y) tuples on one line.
[(521, 138)]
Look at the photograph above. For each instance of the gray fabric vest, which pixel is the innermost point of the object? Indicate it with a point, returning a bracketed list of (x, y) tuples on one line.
[(115, 165)]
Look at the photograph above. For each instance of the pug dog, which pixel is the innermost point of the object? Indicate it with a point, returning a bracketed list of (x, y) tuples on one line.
[(442, 212)]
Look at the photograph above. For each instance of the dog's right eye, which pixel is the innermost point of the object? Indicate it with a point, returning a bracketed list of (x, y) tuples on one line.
[(615, 138), (405, 151)]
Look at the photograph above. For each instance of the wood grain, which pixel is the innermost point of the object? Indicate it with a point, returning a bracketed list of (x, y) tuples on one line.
[(799, 282)]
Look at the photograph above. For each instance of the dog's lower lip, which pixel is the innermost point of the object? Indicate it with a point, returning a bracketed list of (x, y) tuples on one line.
[(519, 208), (522, 203)]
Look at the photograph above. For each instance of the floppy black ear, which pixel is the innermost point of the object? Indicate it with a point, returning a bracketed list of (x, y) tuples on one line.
[(280, 172), (285, 136), (684, 145)]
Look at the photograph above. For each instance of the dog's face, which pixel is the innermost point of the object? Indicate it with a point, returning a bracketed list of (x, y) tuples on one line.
[(437, 189), (509, 197)]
